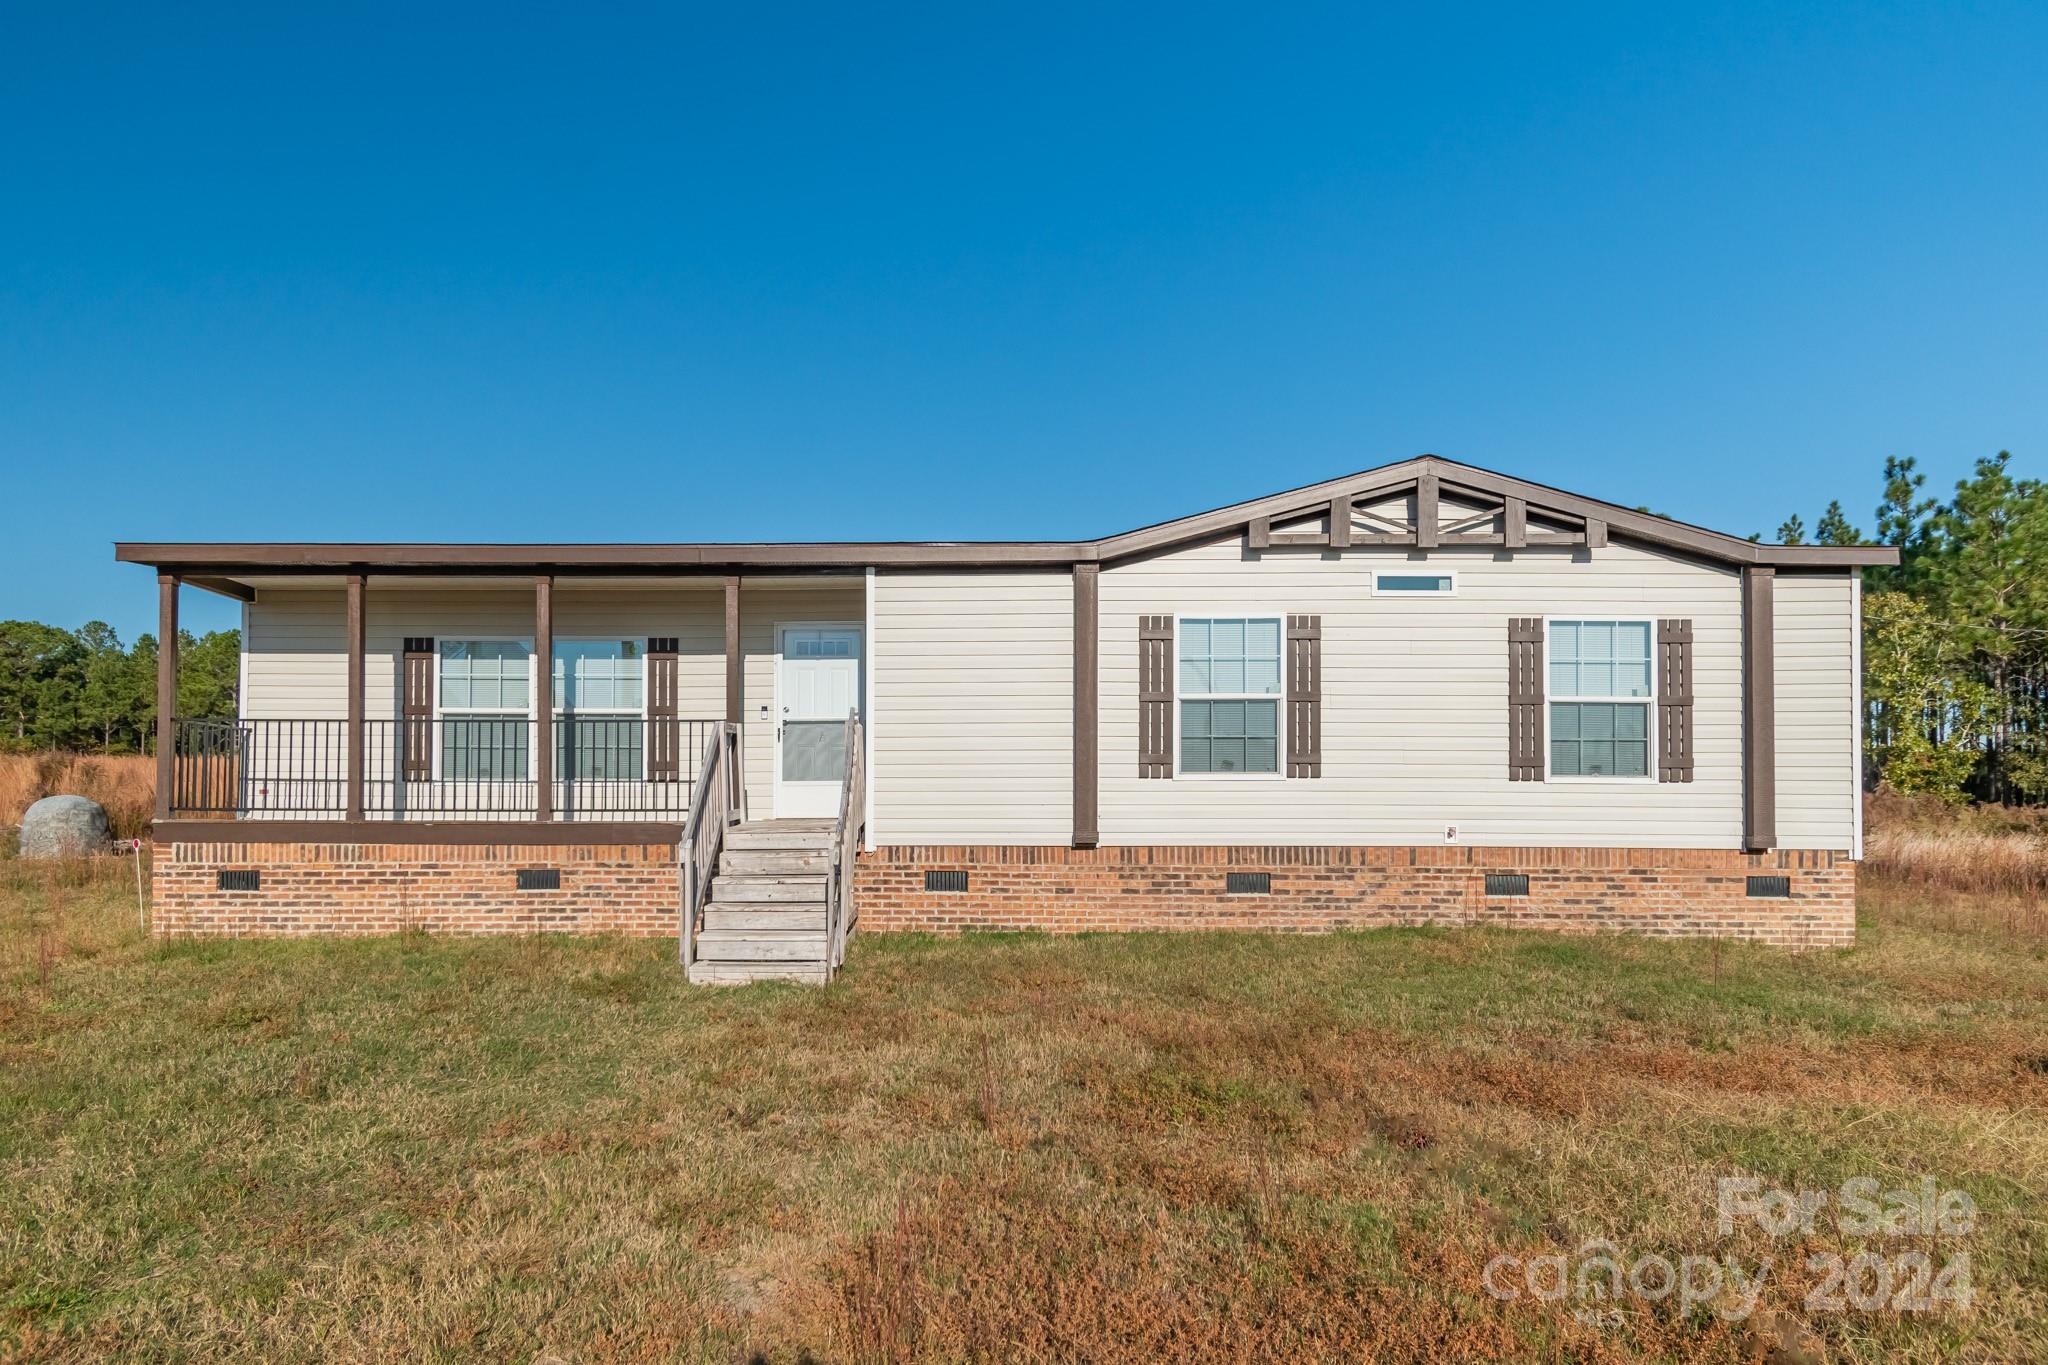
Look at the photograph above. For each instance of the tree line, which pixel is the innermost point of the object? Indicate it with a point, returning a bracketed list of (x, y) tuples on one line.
[(83, 690), (1955, 639)]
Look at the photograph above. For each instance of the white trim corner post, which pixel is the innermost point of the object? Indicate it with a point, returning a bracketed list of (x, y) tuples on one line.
[(867, 717)]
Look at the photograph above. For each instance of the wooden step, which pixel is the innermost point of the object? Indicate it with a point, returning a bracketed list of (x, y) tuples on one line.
[(761, 945), (807, 918), (779, 834), (785, 890), (746, 973), (757, 862)]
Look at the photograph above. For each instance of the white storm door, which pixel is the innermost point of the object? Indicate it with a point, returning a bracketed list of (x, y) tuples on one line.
[(817, 685)]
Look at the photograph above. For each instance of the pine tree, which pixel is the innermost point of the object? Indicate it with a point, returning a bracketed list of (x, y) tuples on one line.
[(1792, 531), (1834, 528)]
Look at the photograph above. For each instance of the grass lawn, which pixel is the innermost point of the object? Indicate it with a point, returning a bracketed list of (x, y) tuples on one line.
[(1193, 1146)]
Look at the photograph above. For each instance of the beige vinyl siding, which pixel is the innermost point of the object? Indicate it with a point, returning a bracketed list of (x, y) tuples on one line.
[(1814, 646), (1415, 700), (974, 708), (295, 657)]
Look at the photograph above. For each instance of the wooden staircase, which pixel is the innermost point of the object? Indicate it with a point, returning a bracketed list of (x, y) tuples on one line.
[(766, 915), (766, 900)]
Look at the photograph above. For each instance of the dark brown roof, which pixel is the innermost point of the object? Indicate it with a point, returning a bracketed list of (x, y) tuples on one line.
[(222, 561)]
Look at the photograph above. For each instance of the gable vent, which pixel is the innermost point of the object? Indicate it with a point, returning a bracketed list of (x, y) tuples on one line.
[(239, 879), (1776, 887), (1507, 883), (945, 881), (538, 879), (1247, 883)]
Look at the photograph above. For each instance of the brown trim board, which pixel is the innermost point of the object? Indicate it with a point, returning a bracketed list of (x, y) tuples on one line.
[(1759, 711), (1601, 518), (1087, 698), (523, 832)]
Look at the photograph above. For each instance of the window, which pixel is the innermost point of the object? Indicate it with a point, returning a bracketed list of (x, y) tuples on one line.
[(1403, 584), (486, 697), (600, 691), (1599, 683), (1229, 695)]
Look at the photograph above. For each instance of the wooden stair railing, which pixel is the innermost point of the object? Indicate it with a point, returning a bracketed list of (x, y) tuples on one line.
[(847, 836), (714, 807)]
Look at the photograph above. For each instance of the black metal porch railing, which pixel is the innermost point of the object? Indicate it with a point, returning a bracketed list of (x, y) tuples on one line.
[(605, 767)]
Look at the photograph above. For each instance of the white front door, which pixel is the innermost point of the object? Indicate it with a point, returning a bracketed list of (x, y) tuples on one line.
[(817, 685)]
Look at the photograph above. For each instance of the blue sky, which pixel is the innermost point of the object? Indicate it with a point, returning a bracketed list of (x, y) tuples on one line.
[(962, 272)]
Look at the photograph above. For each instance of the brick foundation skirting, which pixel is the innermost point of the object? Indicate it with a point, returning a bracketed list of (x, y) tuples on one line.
[(374, 888), (320, 888), (1658, 891)]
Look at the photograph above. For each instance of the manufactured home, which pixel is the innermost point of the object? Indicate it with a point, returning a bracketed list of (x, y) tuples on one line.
[(1426, 693)]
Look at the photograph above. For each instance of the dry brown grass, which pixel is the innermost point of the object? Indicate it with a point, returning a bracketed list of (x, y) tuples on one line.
[(1186, 1147), (126, 786), (1980, 868)]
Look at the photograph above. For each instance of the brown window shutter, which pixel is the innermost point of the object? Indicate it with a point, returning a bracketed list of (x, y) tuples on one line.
[(664, 735), (1525, 699), (417, 740), (1674, 701), (1155, 696), (1304, 696)]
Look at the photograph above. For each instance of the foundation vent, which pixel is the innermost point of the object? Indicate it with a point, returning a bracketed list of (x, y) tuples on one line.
[(538, 878), (1777, 888), (1507, 883), (239, 879), (945, 881), (1247, 883)]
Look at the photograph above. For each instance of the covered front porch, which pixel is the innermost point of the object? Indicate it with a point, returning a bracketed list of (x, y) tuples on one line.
[(576, 700)]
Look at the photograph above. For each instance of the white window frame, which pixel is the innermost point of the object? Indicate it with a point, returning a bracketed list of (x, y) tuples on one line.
[(1648, 703), (1397, 594), (441, 730), (1279, 773), (558, 712)]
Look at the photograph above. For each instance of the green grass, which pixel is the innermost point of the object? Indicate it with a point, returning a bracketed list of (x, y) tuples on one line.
[(1154, 1146)]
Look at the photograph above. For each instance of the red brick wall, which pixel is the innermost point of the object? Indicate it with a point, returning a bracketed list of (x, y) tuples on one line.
[(1664, 892), (445, 888), (320, 888)]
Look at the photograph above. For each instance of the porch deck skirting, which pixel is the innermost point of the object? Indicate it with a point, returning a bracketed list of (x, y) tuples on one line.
[(626, 882), (457, 887), (1657, 891)]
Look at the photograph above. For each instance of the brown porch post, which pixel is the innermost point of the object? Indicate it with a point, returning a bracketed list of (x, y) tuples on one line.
[(354, 798), (732, 649), (544, 697), (166, 690)]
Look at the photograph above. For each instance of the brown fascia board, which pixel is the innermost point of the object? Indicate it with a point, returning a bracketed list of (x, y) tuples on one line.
[(284, 557), (217, 559), (1622, 521)]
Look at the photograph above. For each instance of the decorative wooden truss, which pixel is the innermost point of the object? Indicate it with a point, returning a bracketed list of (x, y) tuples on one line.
[(1480, 516)]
